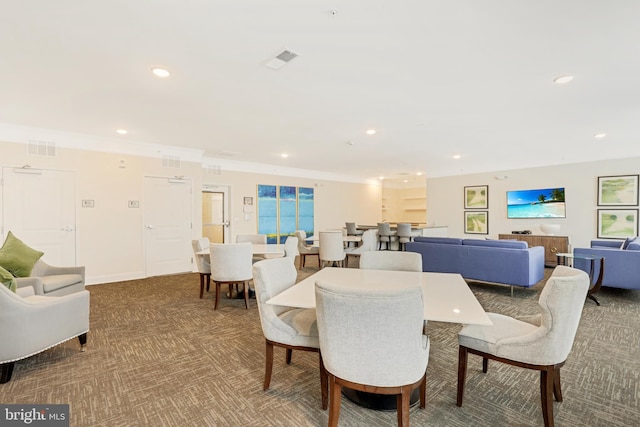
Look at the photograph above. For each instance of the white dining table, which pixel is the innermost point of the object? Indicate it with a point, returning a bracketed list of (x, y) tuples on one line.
[(446, 296), (258, 249), (345, 238)]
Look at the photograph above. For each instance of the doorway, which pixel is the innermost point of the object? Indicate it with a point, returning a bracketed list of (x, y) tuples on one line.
[(215, 213)]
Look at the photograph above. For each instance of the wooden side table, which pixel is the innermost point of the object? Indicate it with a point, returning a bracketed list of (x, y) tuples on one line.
[(563, 259)]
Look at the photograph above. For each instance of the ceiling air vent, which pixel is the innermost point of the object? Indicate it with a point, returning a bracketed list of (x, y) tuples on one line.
[(281, 59)]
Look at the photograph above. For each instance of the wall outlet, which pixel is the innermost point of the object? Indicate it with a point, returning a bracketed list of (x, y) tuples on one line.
[(134, 203), (87, 203)]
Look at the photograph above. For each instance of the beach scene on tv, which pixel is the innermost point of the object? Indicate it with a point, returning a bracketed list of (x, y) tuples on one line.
[(542, 203)]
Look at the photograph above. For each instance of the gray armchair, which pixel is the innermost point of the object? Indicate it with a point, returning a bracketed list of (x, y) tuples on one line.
[(49, 280), (33, 323)]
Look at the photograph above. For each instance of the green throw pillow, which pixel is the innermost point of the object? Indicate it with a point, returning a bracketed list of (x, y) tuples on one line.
[(18, 258), (7, 279)]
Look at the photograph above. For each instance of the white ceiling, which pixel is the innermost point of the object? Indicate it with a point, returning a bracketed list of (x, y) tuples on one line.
[(434, 78)]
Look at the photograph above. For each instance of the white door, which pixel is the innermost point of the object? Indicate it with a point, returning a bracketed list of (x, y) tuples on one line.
[(215, 213), (167, 225), (38, 208)]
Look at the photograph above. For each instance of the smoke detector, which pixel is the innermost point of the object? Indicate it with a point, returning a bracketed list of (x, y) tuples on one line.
[(281, 59)]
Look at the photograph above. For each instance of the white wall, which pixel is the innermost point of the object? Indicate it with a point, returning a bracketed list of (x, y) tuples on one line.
[(109, 237), (445, 201)]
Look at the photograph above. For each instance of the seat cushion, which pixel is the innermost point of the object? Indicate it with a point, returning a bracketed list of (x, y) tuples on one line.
[(17, 257), (53, 283), (487, 338), (303, 320), (7, 279)]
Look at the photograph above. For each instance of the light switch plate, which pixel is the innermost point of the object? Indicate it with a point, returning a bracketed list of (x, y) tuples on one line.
[(87, 203), (134, 203)]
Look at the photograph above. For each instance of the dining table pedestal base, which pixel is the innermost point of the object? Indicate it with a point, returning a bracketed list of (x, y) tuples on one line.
[(378, 402)]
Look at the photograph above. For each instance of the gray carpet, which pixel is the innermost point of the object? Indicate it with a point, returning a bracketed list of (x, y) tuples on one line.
[(158, 355)]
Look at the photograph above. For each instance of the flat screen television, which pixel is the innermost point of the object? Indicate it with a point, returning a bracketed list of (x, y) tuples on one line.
[(539, 203)]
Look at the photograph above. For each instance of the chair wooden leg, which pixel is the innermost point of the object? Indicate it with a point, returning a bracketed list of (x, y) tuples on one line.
[(423, 391), (201, 285), (403, 406), (268, 364), (208, 277), (289, 353), (462, 372), (215, 307), (6, 369), (246, 295), (324, 382), (546, 391), (335, 392), (557, 389), (485, 365), (83, 341)]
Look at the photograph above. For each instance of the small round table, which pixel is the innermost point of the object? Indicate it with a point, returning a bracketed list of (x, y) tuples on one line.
[(563, 259)]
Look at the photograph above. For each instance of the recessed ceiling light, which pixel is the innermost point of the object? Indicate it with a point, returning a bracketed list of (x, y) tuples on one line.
[(284, 155), (599, 135), (160, 72), (564, 79), (419, 173), (371, 132), (405, 180), (122, 131), (381, 178), (456, 156)]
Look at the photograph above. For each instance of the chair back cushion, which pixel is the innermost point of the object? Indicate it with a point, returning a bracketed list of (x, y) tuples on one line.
[(388, 260), (372, 336), (231, 261), (404, 229), (291, 247), (202, 261), (256, 239), (271, 277), (351, 228), (331, 246)]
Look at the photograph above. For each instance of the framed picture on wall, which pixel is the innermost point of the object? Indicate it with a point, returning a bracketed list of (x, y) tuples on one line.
[(619, 190), (617, 223), (476, 222), (476, 197)]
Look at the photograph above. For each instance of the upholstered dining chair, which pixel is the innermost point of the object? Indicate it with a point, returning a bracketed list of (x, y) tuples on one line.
[(33, 323), (385, 235), (352, 230), (369, 243), (306, 250), (399, 261), (291, 248), (231, 264), (403, 233), (541, 342), (371, 340), (331, 248), (285, 327), (202, 262), (254, 239)]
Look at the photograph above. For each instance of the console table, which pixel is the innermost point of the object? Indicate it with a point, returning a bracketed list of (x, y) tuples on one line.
[(552, 245)]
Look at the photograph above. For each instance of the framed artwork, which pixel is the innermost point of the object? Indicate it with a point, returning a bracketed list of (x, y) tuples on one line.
[(617, 223), (476, 197), (619, 190), (476, 222)]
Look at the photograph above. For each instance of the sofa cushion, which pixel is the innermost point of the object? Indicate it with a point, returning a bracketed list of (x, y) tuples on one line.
[(508, 244), (7, 279), (17, 257), (53, 283), (441, 240)]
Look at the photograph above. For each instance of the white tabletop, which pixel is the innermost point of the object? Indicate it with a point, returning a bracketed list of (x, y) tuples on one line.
[(258, 249), (344, 238), (446, 296)]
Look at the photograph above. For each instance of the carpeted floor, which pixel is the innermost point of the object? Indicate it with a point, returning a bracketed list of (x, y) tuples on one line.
[(158, 355)]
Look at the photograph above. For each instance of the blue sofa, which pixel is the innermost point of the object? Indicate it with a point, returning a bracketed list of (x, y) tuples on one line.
[(509, 262), (621, 266)]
